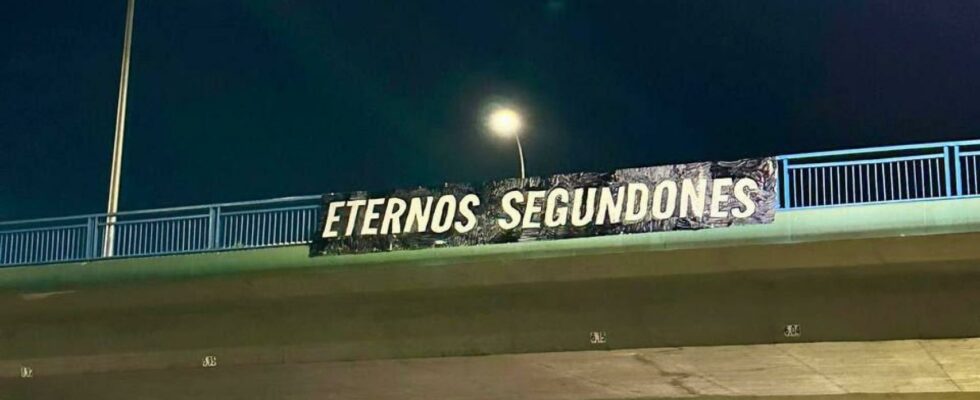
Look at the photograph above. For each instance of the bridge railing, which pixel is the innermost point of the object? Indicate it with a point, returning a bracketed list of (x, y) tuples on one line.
[(176, 230), (880, 175), (822, 179)]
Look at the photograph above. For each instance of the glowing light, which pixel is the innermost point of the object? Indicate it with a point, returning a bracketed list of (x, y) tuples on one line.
[(505, 121)]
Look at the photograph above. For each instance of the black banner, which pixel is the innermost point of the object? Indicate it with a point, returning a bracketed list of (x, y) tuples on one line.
[(634, 200)]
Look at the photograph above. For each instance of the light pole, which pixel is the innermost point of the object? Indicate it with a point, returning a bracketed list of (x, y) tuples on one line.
[(117, 147), (505, 121)]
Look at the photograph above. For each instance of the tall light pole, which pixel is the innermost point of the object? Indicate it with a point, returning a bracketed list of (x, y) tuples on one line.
[(117, 147), (506, 121)]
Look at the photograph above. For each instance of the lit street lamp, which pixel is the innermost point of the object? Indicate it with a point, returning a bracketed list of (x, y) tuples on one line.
[(505, 121)]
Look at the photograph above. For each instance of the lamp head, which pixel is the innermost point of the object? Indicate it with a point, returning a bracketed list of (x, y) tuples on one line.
[(505, 121)]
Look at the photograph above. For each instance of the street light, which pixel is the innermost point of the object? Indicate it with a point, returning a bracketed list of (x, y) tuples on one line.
[(117, 147), (505, 121)]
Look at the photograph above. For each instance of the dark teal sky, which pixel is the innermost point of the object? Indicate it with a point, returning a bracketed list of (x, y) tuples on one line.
[(239, 100)]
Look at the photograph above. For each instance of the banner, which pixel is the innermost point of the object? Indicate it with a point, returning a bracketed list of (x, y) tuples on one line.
[(634, 200)]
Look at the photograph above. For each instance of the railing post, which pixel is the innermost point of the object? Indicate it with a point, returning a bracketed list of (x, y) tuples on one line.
[(949, 178), (90, 235), (785, 172), (214, 236), (956, 170)]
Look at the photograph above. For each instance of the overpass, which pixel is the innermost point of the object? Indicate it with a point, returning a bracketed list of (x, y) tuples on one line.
[(864, 286)]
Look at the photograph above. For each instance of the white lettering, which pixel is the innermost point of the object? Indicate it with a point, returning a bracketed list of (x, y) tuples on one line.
[(578, 217), (465, 209), (532, 208), (352, 217), (332, 218), (514, 216), (609, 207), (663, 210), (442, 219), (743, 197), (417, 215), (554, 215), (693, 198), (370, 216), (718, 197), (636, 191), (391, 223)]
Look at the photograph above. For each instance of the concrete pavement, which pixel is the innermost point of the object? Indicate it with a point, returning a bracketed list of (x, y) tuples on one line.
[(919, 369)]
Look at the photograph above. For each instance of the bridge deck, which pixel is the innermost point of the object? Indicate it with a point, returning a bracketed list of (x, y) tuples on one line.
[(869, 273), (800, 226)]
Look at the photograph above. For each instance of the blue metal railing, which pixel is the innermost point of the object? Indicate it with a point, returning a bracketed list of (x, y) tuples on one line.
[(216, 227), (880, 175), (821, 179)]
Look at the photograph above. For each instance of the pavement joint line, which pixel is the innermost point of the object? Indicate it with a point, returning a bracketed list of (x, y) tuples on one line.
[(939, 364), (676, 378), (785, 350)]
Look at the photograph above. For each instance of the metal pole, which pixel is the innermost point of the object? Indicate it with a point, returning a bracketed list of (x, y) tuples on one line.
[(117, 148), (957, 172), (949, 177), (520, 153), (785, 167)]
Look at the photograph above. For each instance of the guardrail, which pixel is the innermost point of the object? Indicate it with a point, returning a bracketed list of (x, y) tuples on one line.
[(821, 179), (176, 230), (880, 175)]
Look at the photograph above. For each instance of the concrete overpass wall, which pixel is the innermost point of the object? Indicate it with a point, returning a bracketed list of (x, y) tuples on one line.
[(897, 271)]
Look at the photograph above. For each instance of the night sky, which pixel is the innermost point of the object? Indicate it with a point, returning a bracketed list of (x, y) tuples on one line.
[(239, 100)]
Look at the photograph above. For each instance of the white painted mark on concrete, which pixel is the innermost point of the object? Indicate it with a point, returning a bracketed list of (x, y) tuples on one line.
[(209, 362), (44, 295), (26, 372), (597, 337), (792, 330)]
